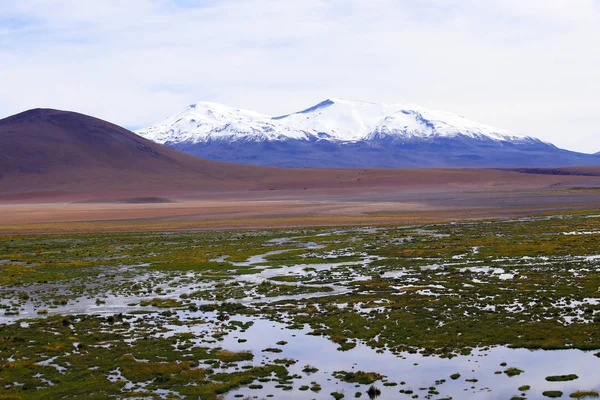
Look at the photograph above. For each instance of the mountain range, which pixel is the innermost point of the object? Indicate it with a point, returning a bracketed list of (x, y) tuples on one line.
[(51, 155), (347, 133)]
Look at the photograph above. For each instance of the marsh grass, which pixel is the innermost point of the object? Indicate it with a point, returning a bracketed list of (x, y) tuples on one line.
[(440, 304), (582, 394), (562, 378), (360, 377)]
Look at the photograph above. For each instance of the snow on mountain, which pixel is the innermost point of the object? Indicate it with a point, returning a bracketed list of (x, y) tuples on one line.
[(334, 119), (339, 133), (413, 122), (206, 121), (345, 120)]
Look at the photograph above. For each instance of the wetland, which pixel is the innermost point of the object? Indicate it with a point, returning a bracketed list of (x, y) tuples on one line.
[(495, 309)]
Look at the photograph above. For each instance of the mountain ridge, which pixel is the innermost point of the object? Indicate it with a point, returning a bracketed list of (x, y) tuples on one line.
[(340, 133), (344, 120)]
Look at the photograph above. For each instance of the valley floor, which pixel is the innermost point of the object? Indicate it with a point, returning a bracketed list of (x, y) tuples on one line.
[(288, 208)]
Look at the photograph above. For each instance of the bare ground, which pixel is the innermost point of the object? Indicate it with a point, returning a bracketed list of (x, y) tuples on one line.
[(288, 208)]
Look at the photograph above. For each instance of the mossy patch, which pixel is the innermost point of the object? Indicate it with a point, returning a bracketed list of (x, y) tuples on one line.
[(562, 378), (582, 394), (361, 377)]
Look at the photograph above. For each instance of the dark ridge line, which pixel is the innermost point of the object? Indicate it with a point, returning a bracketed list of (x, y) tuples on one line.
[(549, 171), (323, 104)]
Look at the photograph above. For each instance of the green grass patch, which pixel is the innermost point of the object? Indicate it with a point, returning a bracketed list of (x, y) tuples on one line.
[(562, 378)]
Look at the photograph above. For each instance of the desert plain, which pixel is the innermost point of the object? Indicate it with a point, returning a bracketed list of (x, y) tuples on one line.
[(310, 198)]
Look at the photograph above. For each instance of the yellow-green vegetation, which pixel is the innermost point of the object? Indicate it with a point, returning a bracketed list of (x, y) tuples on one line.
[(77, 356), (272, 350), (552, 393), (561, 378), (582, 394), (361, 377), (161, 303), (512, 371), (473, 279), (309, 369), (110, 309), (270, 289)]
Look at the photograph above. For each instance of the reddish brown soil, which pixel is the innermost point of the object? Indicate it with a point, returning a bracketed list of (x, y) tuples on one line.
[(269, 209)]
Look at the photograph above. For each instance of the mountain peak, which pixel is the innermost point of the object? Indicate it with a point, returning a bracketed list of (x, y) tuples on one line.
[(323, 104), (51, 119), (34, 115), (334, 119), (341, 100), (206, 121), (337, 118)]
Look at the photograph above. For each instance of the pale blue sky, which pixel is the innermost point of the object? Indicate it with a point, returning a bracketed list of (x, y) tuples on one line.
[(529, 66)]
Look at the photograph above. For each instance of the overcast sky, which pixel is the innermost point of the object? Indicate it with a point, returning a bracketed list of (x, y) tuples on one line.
[(529, 66)]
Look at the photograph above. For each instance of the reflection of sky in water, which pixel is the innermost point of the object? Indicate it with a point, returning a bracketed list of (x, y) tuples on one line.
[(323, 354)]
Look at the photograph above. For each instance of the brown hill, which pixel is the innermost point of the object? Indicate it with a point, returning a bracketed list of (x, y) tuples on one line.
[(48, 155)]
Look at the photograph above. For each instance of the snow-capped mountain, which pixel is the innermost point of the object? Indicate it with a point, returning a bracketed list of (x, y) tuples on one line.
[(205, 122), (349, 133), (418, 123), (338, 119), (333, 119)]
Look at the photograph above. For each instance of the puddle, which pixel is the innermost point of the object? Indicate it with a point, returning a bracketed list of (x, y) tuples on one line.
[(481, 365)]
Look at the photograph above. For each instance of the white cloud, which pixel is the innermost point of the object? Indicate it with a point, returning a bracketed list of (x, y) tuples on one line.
[(525, 65)]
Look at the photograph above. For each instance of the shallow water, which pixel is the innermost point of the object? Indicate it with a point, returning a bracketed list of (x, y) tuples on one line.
[(320, 352), (423, 276)]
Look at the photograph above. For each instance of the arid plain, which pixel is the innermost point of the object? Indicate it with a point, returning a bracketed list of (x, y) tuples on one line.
[(331, 197)]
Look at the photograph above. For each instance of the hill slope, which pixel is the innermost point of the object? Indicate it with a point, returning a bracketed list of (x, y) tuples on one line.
[(347, 133)]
